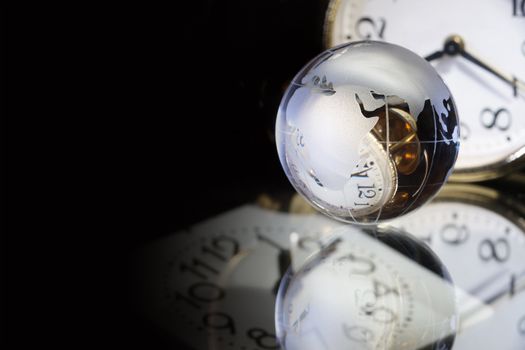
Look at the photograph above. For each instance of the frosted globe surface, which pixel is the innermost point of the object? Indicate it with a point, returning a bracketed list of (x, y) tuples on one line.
[(367, 131)]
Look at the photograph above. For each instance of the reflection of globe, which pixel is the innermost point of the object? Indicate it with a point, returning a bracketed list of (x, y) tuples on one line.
[(381, 290), (367, 131)]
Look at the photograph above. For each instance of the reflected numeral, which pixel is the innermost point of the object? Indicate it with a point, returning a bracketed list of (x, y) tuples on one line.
[(381, 289), (357, 333), (302, 316), (518, 8), (309, 244), (203, 292), (500, 118), (262, 338), (208, 251), (361, 266), (380, 314), (370, 28), (498, 250), (198, 268), (226, 243), (299, 138), (219, 321)]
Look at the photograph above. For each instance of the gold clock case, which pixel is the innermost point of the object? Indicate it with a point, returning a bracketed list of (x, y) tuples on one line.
[(511, 163), (487, 198)]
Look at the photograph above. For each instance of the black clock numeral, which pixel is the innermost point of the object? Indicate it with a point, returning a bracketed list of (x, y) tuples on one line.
[(358, 334), (219, 321), (370, 28), (500, 118), (523, 48), (521, 326), (366, 191), (454, 234), (518, 8), (262, 338), (498, 250)]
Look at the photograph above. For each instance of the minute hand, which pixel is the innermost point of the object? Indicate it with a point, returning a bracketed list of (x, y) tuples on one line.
[(455, 45), (513, 82)]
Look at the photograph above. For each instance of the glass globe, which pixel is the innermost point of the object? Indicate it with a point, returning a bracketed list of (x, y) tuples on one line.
[(368, 290), (367, 131)]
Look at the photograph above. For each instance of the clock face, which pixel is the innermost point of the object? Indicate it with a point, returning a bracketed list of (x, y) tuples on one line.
[(485, 254), (491, 111), (214, 287)]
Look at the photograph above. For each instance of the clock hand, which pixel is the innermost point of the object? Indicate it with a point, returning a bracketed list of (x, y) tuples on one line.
[(284, 262), (517, 284), (477, 304), (455, 45), (284, 258), (435, 55)]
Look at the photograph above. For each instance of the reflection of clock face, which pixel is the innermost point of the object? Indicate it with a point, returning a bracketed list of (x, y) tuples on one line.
[(491, 112), (484, 249), (214, 287), (359, 293)]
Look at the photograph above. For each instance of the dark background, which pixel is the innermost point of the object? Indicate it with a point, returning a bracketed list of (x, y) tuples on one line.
[(210, 134), (206, 142)]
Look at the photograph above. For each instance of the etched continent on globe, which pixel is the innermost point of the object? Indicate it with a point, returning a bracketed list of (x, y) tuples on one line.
[(367, 131)]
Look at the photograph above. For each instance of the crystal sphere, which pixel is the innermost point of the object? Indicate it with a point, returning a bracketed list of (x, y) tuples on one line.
[(368, 290), (367, 131)]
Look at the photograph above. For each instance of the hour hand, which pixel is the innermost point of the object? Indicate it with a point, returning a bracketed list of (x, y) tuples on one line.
[(435, 55)]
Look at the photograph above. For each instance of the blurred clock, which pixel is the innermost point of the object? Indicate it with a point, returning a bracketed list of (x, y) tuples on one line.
[(215, 285), (477, 47), (480, 236)]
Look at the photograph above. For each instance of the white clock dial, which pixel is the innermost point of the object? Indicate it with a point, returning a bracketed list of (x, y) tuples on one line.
[(491, 111), (485, 253)]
